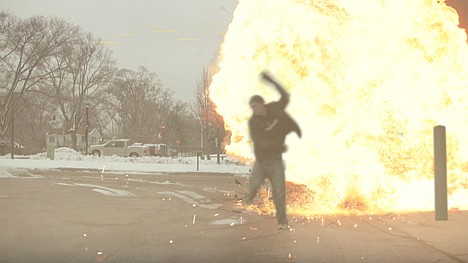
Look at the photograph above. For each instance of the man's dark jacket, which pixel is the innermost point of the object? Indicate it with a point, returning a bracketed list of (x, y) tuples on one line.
[(268, 132)]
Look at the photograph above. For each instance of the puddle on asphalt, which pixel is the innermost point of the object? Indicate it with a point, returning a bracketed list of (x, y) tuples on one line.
[(229, 221)]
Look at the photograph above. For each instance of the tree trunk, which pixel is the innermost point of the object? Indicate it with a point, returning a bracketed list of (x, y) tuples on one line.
[(73, 140)]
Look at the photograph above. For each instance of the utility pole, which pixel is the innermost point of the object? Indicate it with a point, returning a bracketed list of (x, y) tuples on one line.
[(217, 147)]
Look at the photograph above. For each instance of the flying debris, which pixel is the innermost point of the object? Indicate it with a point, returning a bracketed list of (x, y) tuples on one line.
[(237, 182)]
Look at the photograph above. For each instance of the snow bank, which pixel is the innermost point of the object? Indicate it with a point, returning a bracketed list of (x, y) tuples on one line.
[(68, 158), (68, 154)]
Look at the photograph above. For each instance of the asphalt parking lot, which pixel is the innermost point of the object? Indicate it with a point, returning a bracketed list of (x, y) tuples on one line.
[(85, 216)]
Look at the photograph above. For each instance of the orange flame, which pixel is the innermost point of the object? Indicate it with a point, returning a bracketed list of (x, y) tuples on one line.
[(368, 81)]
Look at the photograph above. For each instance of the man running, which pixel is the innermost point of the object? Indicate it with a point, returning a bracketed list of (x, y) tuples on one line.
[(268, 127)]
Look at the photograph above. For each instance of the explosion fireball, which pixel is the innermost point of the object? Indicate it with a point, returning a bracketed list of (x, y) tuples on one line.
[(368, 81)]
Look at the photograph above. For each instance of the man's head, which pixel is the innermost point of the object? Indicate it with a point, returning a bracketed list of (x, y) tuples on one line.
[(257, 104)]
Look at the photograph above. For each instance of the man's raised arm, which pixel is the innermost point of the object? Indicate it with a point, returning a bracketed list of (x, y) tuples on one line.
[(284, 100)]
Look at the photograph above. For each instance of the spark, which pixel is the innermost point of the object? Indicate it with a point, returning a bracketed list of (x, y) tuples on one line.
[(237, 182), (194, 217), (100, 256), (171, 241)]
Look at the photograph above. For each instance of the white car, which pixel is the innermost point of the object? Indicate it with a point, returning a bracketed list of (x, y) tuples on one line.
[(120, 147)]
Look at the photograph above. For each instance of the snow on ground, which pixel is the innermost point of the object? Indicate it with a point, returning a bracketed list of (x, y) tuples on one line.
[(68, 158)]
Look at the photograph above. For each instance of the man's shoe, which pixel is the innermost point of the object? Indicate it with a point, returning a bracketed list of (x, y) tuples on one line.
[(283, 227)]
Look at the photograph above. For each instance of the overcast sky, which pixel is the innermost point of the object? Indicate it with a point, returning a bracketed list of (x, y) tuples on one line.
[(172, 38)]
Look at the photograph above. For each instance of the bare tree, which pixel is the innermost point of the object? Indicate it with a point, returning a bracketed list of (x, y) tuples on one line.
[(76, 72), (146, 112), (34, 116), (207, 120), (178, 123), (133, 96), (24, 46)]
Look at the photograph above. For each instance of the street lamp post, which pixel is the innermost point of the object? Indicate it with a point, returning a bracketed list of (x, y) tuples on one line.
[(86, 129), (13, 131), (13, 124), (164, 149)]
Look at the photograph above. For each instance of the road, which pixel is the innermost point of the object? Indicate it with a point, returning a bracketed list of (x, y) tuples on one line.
[(88, 216)]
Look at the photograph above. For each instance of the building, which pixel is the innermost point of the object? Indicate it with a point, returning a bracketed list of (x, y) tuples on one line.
[(62, 138)]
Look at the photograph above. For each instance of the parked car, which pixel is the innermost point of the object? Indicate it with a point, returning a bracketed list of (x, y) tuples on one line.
[(121, 147), (154, 149), (162, 150)]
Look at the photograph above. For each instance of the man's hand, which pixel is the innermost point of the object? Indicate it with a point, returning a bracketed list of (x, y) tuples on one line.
[(267, 77)]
